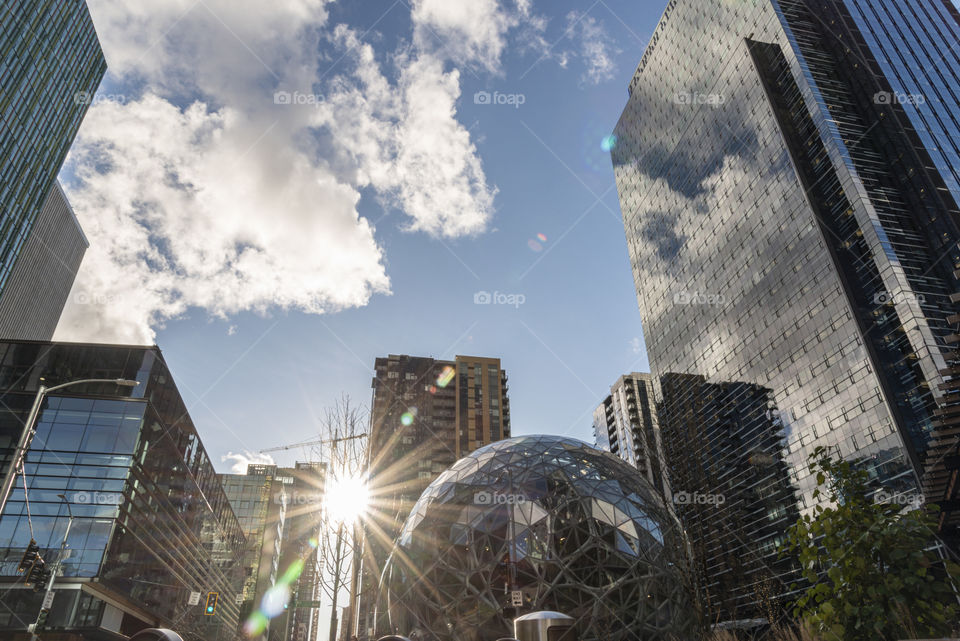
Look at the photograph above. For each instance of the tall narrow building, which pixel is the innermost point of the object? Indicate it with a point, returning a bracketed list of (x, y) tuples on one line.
[(786, 174), (43, 274), (426, 414), (50, 66), (259, 501), (626, 425)]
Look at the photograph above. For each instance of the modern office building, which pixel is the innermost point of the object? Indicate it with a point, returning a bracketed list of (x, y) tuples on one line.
[(44, 271), (279, 511), (152, 523), (50, 66), (626, 425), (305, 483), (426, 414), (784, 173), (259, 501)]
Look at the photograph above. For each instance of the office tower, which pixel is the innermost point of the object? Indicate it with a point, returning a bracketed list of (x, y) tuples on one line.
[(50, 66), (152, 523), (304, 484), (426, 414), (626, 425), (43, 274), (279, 511), (259, 501), (735, 496), (787, 224)]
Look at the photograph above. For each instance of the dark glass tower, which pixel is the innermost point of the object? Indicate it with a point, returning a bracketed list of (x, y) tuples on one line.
[(50, 65), (791, 221), (152, 522)]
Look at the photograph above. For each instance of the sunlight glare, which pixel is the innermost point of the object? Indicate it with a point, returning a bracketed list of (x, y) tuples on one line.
[(347, 499)]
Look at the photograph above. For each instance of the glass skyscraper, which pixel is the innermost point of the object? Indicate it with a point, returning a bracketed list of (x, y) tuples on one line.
[(50, 66), (152, 522), (785, 173)]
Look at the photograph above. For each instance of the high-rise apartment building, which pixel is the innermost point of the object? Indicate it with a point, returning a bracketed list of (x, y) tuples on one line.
[(43, 274), (426, 414), (626, 425), (152, 524), (50, 66), (784, 172)]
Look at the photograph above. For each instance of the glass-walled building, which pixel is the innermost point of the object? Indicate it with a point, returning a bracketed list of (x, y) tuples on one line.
[(50, 67), (152, 522), (784, 173)]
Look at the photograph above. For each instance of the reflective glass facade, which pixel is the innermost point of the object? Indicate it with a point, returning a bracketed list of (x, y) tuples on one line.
[(788, 231), (153, 523), (50, 65), (568, 527)]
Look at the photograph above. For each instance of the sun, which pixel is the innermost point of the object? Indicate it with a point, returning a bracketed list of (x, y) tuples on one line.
[(347, 499)]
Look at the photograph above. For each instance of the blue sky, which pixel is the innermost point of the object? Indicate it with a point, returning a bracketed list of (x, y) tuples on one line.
[(461, 203)]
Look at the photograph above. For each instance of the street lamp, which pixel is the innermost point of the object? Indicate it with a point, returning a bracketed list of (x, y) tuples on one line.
[(29, 429)]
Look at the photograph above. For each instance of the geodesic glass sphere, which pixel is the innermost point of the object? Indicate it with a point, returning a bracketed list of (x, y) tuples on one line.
[(546, 523)]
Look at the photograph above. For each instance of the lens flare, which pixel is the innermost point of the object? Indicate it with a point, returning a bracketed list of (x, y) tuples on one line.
[(542, 238), (534, 245), (446, 375), (274, 602), (406, 419), (608, 142)]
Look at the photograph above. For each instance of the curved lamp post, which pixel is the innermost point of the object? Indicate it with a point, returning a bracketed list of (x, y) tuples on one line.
[(29, 429)]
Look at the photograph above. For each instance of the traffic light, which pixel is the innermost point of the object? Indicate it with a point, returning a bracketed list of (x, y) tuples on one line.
[(38, 575), (29, 557), (211, 608)]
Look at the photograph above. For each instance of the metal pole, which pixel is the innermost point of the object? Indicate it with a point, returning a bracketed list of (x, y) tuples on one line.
[(22, 446), (47, 596), (336, 584)]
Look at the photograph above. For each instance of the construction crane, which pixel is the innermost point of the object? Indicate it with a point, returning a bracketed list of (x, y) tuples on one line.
[(309, 443)]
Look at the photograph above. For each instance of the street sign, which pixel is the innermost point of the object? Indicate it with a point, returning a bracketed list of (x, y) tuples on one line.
[(194, 598), (516, 598), (47, 601), (305, 604)]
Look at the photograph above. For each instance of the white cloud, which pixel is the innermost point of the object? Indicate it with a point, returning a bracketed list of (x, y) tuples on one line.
[(188, 215), (197, 190), (466, 31), (597, 48), (240, 460)]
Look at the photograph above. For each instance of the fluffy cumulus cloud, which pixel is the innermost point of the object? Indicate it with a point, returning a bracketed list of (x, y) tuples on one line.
[(468, 32), (225, 170)]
